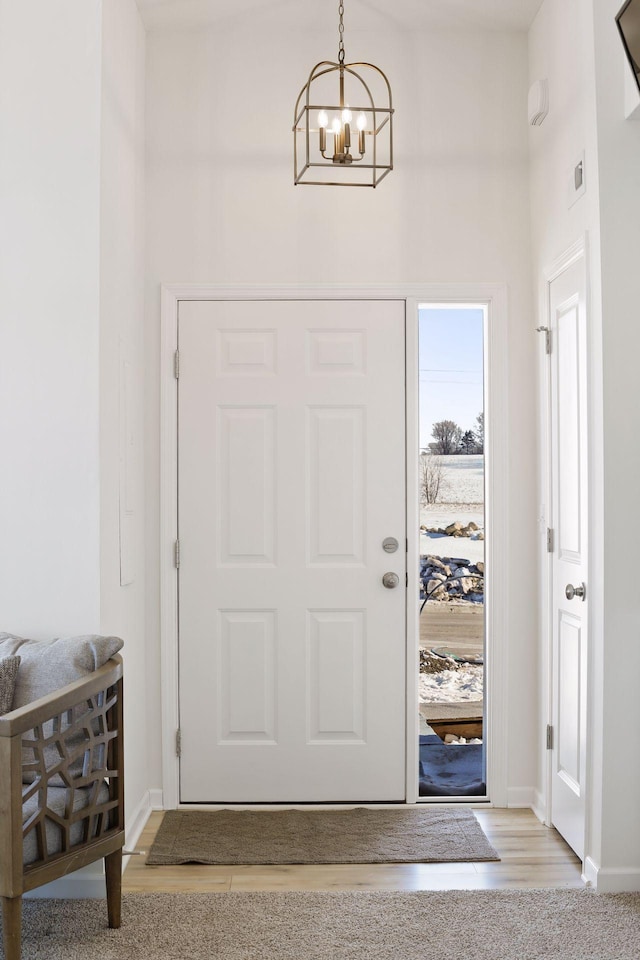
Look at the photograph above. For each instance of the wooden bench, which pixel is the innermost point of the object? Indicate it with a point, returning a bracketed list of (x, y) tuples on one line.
[(62, 792)]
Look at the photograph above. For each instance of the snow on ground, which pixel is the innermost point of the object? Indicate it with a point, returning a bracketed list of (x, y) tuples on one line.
[(435, 545), (461, 498), (452, 686)]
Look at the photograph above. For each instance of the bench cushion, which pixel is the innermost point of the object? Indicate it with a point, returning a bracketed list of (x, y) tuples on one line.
[(57, 799), (48, 665)]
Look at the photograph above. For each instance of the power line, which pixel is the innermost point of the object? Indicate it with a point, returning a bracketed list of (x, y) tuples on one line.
[(446, 370), (473, 383)]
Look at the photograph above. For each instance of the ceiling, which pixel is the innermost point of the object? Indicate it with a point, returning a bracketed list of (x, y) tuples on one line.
[(511, 15)]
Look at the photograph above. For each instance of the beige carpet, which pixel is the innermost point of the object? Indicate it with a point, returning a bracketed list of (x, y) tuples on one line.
[(422, 835), (456, 925)]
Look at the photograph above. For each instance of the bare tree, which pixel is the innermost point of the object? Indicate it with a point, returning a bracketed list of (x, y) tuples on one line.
[(431, 477), (480, 432), (447, 435)]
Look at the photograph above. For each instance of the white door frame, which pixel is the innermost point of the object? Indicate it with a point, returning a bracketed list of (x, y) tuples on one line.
[(578, 250), (494, 296)]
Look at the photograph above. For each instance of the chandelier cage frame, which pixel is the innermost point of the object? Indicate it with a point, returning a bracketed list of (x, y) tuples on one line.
[(309, 156)]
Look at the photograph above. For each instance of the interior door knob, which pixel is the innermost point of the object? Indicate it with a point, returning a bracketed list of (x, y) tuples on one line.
[(571, 591), (391, 580)]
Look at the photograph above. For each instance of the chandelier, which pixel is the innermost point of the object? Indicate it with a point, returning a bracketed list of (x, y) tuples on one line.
[(343, 123)]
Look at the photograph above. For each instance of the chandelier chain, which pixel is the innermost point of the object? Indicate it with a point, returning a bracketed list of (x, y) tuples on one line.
[(341, 32)]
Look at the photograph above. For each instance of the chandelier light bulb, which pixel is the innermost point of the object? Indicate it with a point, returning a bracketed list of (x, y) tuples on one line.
[(347, 116), (362, 122), (336, 126), (323, 119)]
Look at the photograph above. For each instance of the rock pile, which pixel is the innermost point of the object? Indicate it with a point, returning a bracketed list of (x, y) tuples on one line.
[(434, 663), (457, 529), (451, 578)]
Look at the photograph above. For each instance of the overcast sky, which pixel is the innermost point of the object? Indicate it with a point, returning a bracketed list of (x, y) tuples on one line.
[(451, 361)]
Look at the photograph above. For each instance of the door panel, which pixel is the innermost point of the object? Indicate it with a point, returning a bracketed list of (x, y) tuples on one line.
[(569, 562), (291, 474)]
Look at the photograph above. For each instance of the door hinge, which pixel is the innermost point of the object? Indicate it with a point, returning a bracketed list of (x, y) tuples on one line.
[(549, 737), (178, 742), (406, 579), (176, 554), (549, 540), (176, 364), (547, 338)]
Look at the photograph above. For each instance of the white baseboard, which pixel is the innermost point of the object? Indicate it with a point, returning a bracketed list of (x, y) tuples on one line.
[(136, 822), (611, 879), (590, 872), (151, 800), (520, 797), (539, 807)]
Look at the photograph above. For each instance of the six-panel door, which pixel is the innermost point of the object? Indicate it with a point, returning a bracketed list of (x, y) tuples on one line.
[(291, 474), (569, 431)]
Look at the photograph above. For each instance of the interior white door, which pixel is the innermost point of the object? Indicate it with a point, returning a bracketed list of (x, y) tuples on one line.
[(291, 474), (570, 593)]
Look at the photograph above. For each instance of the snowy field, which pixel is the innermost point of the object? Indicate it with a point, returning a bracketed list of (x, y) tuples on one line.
[(462, 479), (461, 498)]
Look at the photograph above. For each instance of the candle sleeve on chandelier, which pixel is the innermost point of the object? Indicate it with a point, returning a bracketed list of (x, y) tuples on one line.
[(362, 123), (323, 121)]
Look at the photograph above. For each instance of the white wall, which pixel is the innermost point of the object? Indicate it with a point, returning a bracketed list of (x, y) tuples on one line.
[(561, 52), (577, 47), (71, 275), (121, 345), (50, 79), (49, 316), (618, 857), (221, 207)]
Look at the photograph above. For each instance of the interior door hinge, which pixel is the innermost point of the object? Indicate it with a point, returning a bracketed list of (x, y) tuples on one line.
[(178, 742), (176, 554), (547, 338), (406, 579), (176, 364), (549, 737), (549, 540)]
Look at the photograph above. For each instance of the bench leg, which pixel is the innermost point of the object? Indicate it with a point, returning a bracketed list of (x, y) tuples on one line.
[(113, 871), (12, 924)]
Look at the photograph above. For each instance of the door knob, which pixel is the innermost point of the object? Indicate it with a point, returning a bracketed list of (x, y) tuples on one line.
[(391, 580), (571, 591)]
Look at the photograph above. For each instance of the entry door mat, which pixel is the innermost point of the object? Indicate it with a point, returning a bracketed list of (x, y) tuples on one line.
[(416, 835), (451, 769)]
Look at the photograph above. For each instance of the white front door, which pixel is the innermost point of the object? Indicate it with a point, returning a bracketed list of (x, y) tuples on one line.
[(291, 439), (570, 591)]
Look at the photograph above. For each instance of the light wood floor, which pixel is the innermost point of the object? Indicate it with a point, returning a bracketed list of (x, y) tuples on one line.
[(532, 856)]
